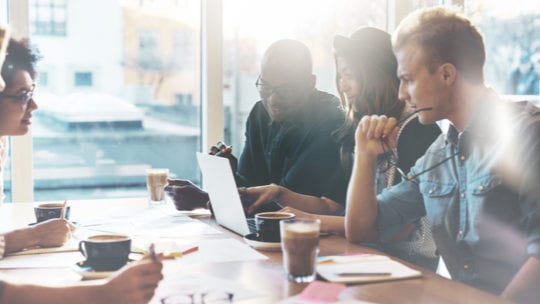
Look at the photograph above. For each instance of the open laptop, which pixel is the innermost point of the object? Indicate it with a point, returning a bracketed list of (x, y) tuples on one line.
[(219, 183)]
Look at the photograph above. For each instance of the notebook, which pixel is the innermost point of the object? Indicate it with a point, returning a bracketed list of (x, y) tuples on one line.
[(363, 268), (219, 183)]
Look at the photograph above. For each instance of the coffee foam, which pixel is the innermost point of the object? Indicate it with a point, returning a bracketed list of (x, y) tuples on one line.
[(107, 238), (51, 205), (275, 215), (300, 230)]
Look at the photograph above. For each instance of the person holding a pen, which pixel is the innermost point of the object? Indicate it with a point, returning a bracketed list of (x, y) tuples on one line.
[(135, 283)]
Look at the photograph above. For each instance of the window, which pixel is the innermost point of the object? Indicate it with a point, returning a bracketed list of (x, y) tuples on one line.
[(43, 79), (98, 143), (183, 42), (512, 41), (83, 79), (49, 17)]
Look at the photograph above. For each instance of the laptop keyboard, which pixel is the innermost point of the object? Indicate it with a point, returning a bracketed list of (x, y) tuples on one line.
[(251, 224)]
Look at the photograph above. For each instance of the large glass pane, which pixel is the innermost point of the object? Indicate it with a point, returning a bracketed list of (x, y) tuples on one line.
[(121, 94), (250, 26), (512, 36)]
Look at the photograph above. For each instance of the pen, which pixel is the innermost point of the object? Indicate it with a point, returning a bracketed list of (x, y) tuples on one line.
[(363, 274), (179, 254), (63, 213), (152, 252)]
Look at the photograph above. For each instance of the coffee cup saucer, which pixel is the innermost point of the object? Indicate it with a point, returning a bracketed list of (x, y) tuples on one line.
[(254, 240), (88, 273), (34, 223)]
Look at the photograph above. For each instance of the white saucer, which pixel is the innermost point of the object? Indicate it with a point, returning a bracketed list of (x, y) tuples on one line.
[(88, 273), (253, 240)]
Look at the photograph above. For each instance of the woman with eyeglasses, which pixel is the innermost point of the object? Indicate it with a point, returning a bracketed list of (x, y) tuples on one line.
[(367, 84), (133, 284)]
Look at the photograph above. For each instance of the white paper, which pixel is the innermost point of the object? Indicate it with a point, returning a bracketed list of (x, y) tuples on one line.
[(151, 222), (181, 283), (218, 251)]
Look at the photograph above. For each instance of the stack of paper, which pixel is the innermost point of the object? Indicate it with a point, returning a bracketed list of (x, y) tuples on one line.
[(363, 268)]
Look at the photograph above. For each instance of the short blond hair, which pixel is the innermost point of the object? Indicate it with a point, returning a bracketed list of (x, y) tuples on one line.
[(444, 37)]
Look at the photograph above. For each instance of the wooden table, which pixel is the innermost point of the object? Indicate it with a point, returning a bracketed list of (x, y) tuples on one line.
[(267, 275)]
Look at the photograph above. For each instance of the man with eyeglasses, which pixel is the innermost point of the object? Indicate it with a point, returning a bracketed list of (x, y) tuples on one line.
[(478, 183), (288, 132)]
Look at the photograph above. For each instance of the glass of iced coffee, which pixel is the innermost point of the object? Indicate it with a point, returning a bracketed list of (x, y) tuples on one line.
[(156, 180), (299, 243)]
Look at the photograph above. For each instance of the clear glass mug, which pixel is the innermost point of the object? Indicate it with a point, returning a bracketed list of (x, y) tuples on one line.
[(156, 180), (300, 247)]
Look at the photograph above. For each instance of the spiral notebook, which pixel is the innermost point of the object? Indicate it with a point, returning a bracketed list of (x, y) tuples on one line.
[(363, 268)]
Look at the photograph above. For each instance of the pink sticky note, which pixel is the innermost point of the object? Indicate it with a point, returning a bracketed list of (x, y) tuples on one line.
[(321, 292)]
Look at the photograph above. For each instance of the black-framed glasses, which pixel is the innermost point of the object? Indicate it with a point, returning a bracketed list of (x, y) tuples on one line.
[(23, 98), (390, 157), (266, 90), (210, 297)]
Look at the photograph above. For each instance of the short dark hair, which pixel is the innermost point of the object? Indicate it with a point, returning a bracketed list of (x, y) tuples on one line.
[(20, 55), (444, 37)]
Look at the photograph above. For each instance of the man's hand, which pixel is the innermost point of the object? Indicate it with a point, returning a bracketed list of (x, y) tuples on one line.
[(259, 196), (186, 195), (373, 132), (52, 233), (222, 150)]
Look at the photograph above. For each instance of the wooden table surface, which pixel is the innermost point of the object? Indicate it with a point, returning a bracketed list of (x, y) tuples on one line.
[(267, 275)]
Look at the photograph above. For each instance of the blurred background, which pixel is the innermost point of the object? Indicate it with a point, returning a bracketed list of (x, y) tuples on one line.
[(119, 88)]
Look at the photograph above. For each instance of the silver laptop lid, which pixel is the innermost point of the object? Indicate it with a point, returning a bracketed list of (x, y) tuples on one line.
[(218, 181)]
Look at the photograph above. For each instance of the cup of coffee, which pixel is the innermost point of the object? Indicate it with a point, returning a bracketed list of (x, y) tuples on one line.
[(106, 252), (156, 180), (268, 225), (300, 241), (49, 211)]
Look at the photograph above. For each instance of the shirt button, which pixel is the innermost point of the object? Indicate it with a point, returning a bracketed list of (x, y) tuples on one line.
[(462, 195), (430, 191), (466, 266), (462, 157), (481, 188)]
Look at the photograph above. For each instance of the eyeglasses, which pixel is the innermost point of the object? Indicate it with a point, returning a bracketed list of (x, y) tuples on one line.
[(211, 297), (23, 99), (390, 156), (266, 90)]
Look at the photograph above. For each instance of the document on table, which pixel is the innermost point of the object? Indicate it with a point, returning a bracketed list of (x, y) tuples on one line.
[(216, 251), (363, 268), (70, 246), (178, 284), (150, 222)]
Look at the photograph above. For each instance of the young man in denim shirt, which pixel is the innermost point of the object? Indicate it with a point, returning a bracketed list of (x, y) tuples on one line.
[(477, 183)]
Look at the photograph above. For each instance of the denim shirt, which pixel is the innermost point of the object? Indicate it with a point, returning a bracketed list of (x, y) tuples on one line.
[(473, 187)]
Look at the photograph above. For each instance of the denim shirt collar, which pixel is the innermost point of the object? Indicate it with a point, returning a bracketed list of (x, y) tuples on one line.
[(481, 125)]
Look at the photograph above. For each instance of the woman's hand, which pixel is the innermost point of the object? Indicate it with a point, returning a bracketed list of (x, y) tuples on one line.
[(298, 213), (52, 233), (134, 284)]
